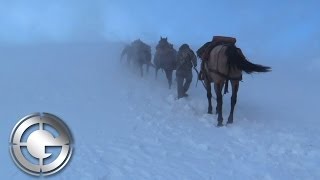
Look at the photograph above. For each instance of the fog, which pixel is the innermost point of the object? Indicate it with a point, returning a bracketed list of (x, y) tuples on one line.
[(62, 57), (267, 29)]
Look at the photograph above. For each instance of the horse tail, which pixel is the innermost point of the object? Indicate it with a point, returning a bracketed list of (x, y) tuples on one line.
[(237, 59), (249, 67)]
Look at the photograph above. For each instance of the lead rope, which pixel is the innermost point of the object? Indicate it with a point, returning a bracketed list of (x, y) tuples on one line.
[(195, 69)]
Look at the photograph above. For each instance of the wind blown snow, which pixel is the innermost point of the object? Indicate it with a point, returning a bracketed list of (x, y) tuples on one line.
[(128, 127)]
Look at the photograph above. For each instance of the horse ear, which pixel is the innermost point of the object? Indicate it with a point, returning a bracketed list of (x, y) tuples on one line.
[(160, 37), (166, 38)]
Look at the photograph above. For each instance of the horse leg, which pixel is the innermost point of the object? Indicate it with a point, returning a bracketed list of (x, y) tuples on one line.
[(218, 89), (235, 88), (169, 77), (141, 69), (128, 62), (156, 70), (147, 71), (209, 96)]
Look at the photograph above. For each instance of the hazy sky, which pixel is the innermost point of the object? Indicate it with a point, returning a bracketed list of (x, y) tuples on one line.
[(288, 24)]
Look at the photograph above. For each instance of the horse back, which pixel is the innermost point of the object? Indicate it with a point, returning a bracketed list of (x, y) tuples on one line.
[(218, 65)]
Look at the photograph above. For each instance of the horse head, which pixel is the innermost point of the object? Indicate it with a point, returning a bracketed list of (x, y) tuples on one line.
[(163, 43)]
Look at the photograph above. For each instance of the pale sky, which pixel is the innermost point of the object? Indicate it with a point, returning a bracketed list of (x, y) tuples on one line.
[(289, 24)]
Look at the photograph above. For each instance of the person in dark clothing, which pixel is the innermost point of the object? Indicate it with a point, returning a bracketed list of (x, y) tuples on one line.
[(186, 59)]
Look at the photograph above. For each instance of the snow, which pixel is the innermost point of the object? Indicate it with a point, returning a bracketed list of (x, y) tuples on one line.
[(128, 127)]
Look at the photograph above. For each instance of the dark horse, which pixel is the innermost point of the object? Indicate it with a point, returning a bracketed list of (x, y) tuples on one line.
[(139, 53), (165, 58), (226, 62)]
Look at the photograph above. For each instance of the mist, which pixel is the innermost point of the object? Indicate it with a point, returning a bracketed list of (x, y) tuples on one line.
[(267, 27), (63, 57)]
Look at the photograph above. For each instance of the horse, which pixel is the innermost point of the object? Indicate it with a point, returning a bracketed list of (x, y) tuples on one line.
[(226, 63), (127, 50), (165, 59), (139, 53)]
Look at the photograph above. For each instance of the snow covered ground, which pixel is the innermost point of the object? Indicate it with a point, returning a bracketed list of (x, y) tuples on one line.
[(127, 127)]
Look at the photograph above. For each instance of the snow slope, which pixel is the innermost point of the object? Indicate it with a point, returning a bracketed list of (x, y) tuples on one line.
[(127, 127)]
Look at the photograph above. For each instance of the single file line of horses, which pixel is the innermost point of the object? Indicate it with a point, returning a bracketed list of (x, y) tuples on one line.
[(221, 62)]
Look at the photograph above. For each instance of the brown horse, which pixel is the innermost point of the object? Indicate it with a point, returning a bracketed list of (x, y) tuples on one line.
[(139, 53), (165, 58), (226, 63)]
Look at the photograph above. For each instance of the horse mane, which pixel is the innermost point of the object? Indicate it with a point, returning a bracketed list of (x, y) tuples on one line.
[(236, 59)]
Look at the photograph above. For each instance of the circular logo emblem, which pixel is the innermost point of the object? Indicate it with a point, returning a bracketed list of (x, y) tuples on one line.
[(41, 144)]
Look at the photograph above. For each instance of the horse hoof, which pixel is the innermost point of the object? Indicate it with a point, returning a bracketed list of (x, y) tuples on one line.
[(219, 124), (230, 121), (209, 112)]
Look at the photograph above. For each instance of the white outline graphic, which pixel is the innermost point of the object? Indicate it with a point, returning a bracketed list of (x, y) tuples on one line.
[(37, 142)]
